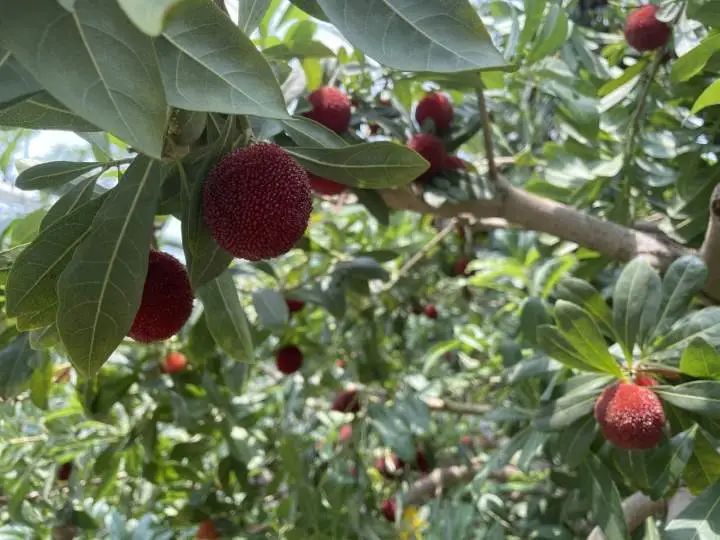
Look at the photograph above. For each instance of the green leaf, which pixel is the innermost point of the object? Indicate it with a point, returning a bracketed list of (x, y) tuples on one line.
[(673, 458), (534, 10), (226, 318), (709, 97), (310, 7), (99, 292), (699, 520), (42, 111), (604, 498), (361, 268), (533, 315), (684, 278), (579, 329), (700, 359), (586, 296), (573, 443), (15, 81), (17, 362), (41, 382), (375, 165), (393, 430), (552, 341), (271, 308), (306, 132), (628, 75), (703, 324), (565, 411), (7, 258), (416, 36), (94, 39), (552, 35), (150, 17), (32, 283), (207, 65), (701, 397), (52, 174), (581, 111), (375, 204), (636, 302), (692, 62), (71, 201), (250, 13)]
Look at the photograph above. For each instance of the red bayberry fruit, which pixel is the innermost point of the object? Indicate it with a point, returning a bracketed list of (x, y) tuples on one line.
[(430, 311), (432, 150), (323, 186), (630, 416), (207, 531), (331, 108), (389, 466), (257, 202), (289, 359), (294, 305), (64, 471), (167, 300), (340, 363), (388, 509), (345, 434), (455, 163), (346, 401), (174, 362), (421, 462), (643, 31), (460, 266), (438, 108), (645, 380)]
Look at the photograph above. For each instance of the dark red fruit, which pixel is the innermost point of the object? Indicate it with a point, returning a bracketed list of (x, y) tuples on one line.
[(340, 363), (331, 108), (64, 471), (345, 433), (432, 149), (630, 416), (207, 531), (388, 509), (294, 305), (466, 440), (346, 401), (257, 202), (455, 163), (323, 186), (389, 466), (289, 359), (643, 31), (430, 311), (438, 108), (167, 300), (374, 128), (460, 266), (422, 463), (174, 362)]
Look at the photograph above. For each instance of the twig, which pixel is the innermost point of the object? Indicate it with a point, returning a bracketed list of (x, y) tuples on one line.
[(439, 404), (493, 174)]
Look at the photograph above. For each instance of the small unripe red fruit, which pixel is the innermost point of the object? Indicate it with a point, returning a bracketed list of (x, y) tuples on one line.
[(175, 362), (289, 359), (331, 108), (167, 300), (466, 440), (345, 434), (388, 509), (421, 462), (257, 202), (460, 266), (438, 108), (323, 186), (430, 311), (630, 416), (207, 531), (389, 466), (340, 363), (643, 31), (432, 150), (294, 305), (645, 380), (346, 401), (455, 163), (64, 471)]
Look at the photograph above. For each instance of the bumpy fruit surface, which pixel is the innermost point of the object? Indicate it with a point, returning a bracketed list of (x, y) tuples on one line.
[(643, 31), (207, 531), (437, 107), (388, 509), (330, 107), (257, 202), (630, 416), (323, 186), (167, 300), (346, 401), (294, 305), (175, 362), (432, 149), (430, 311), (289, 359)]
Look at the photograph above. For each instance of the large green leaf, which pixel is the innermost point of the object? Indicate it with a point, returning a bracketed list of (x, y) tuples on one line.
[(412, 35), (586, 296), (271, 307), (579, 329), (150, 17), (636, 302), (225, 317), (702, 397), (565, 411), (15, 81), (692, 62), (17, 362), (81, 193), (604, 498), (99, 292), (42, 111), (552, 35), (673, 458), (53, 174), (700, 520), (32, 283), (552, 341), (709, 97), (573, 442), (375, 165), (700, 359), (703, 324), (250, 13), (208, 65), (683, 280), (306, 132)]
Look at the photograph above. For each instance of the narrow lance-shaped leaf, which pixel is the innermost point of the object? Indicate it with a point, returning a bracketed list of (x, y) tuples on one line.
[(100, 290), (586, 296), (71, 201), (684, 278), (443, 37), (702, 397), (53, 174), (699, 519), (91, 42), (636, 302), (605, 499), (700, 359), (551, 340), (673, 461), (17, 362), (42, 111), (271, 308)]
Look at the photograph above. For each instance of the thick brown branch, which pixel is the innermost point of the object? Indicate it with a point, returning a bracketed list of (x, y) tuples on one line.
[(710, 250)]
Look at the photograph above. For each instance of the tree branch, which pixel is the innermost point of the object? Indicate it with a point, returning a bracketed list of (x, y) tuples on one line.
[(710, 249), (439, 404), (636, 508), (493, 175)]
